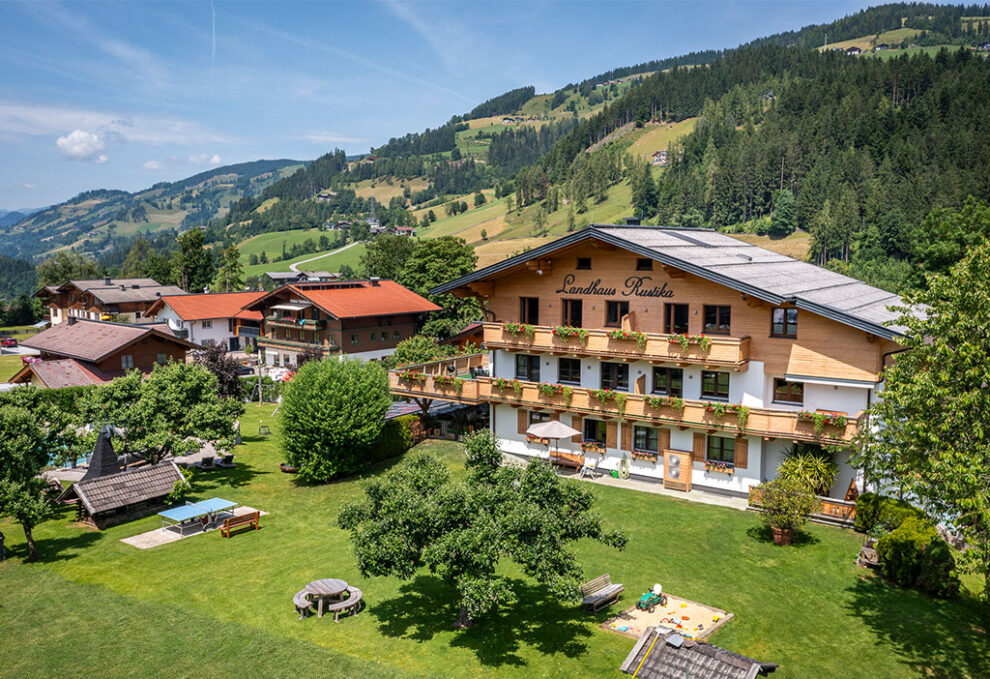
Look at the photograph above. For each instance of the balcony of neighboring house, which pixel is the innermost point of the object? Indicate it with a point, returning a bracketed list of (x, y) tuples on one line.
[(452, 379), (290, 321), (247, 331), (624, 342), (278, 343), (710, 416)]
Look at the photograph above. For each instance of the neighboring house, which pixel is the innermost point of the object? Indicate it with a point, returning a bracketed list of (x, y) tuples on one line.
[(473, 334), (124, 299), (984, 47), (287, 277), (82, 352), (407, 231), (210, 318), (715, 351), (662, 653), (364, 319), (854, 50), (660, 157), (882, 47)]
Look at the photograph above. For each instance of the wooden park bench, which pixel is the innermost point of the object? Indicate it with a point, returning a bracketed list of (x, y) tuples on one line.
[(302, 603), (571, 460), (600, 593), (351, 603), (250, 519)]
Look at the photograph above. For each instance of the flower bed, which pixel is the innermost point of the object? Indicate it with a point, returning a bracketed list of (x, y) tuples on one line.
[(686, 341), (516, 329), (657, 402), (718, 466), (537, 439), (567, 332), (626, 335), (503, 384), (412, 376), (821, 419), (592, 447), (718, 409), (646, 455), (448, 381)]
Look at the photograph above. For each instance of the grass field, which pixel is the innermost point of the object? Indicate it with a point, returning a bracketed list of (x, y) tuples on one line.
[(206, 606), (331, 263), (797, 245), (384, 192), (9, 365), (271, 242), (657, 137), (868, 42)]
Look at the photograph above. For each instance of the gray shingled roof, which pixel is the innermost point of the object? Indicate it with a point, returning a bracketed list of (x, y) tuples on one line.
[(90, 340), (126, 488), (673, 657), (752, 270)]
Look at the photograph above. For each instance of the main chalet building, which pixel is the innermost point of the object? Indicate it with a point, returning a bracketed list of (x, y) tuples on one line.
[(671, 346)]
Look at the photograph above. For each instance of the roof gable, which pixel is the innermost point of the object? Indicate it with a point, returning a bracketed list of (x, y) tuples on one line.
[(210, 305), (752, 270), (354, 299), (94, 340)]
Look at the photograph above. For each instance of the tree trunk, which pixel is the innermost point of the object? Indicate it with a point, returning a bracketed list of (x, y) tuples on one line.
[(3, 550), (463, 620), (32, 547)]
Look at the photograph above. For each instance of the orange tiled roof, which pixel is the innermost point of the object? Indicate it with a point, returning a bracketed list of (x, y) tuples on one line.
[(211, 305), (348, 300)]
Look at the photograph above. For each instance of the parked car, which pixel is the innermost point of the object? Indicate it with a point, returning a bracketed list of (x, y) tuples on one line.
[(8, 342), (245, 370)]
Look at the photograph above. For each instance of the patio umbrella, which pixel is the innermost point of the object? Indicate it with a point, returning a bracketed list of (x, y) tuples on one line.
[(554, 429)]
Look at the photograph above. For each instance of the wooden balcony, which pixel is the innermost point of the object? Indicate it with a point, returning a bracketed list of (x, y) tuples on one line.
[(277, 343), (722, 352), (765, 422), (299, 323), (446, 380)]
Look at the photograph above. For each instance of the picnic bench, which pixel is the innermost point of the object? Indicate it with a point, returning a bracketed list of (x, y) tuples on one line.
[(302, 603), (249, 519), (562, 459), (600, 593), (352, 603)]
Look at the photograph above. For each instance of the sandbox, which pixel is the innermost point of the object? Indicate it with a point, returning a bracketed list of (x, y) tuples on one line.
[(691, 619)]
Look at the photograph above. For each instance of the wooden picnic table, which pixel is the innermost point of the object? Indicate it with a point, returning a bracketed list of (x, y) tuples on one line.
[(328, 588)]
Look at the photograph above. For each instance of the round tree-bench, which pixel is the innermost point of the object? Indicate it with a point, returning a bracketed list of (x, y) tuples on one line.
[(302, 603)]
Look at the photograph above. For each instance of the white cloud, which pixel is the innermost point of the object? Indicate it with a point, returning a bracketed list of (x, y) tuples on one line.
[(82, 145), (331, 138), (153, 165), (29, 186), (204, 159)]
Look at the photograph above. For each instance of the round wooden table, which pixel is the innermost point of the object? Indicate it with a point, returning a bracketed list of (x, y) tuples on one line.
[(328, 588)]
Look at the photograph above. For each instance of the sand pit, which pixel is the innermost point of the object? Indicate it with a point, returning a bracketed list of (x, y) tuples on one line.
[(689, 618)]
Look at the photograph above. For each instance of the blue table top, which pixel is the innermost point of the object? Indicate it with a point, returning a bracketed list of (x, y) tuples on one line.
[(197, 509)]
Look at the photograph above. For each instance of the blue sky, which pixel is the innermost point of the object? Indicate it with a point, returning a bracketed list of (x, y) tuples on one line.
[(124, 95)]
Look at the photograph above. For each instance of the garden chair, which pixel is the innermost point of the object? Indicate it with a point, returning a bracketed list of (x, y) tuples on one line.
[(590, 470), (227, 462)]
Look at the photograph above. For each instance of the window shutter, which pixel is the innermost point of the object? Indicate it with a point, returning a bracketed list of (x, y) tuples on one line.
[(627, 436), (741, 458), (698, 452), (576, 422), (663, 439), (611, 434), (554, 417), (522, 417)]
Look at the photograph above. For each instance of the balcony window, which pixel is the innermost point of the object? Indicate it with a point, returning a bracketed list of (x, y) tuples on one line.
[(668, 381), (569, 370), (583, 264), (675, 318), (715, 385), (791, 393), (527, 367), (644, 264), (126, 362), (784, 323), (573, 313), (535, 417), (646, 438), (614, 311), (721, 449), (529, 310), (615, 376), (595, 430), (717, 319)]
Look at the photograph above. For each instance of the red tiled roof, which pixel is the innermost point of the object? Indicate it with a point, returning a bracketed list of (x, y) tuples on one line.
[(211, 305), (349, 300), (93, 340), (65, 372)]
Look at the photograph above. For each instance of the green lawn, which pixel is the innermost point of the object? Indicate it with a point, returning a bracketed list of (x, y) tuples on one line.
[(9, 364), (331, 263), (206, 606)]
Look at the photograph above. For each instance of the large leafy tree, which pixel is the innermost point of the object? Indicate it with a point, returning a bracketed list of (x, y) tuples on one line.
[(65, 266), (386, 256), (931, 431), (166, 412), (32, 432), (230, 275), (192, 265), (419, 349), (415, 515), (332, 412), (436, 261)]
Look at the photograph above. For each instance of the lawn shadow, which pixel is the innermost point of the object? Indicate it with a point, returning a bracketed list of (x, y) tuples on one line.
[(55, 549), (427, 606), (935, 638), (374, 470), (762, 533), (241, 475)]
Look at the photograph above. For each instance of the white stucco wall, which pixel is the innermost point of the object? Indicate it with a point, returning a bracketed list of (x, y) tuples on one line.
[(218, 332)]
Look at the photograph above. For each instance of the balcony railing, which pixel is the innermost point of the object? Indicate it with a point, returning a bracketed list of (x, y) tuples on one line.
[(451, 379), (289, 322), (277, 343), (714, 350)]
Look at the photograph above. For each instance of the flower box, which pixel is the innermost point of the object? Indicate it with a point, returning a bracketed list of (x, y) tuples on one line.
[(592, 447), (657, 402), (717, 466), (412, 376), (501, 383), (648, 456), (606, 395), (719, 410), (566, 332), (686, 341), (821, 419), (537, 439), (629, 336), (551, 390), (516, 329), (448, 381)]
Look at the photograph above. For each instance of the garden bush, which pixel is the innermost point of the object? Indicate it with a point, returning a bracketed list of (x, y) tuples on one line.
[(888, 513), (397, 436), (913, 555)]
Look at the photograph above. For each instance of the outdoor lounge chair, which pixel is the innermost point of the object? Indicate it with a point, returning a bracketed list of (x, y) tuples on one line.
[(207, 463), (227, 462), (590, 470)]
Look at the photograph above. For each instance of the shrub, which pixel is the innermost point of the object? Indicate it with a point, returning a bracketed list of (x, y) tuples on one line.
[(913, 555), (786, 503), (879, 511), (814, 469), (396, 437)]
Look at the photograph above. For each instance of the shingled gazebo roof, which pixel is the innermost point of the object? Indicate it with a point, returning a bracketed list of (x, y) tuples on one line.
[(104, 461), (114, 491), (662, 653)]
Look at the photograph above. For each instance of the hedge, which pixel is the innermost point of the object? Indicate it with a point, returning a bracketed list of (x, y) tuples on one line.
[(65, 399), (397, 436), (874, 510), (913, 555)]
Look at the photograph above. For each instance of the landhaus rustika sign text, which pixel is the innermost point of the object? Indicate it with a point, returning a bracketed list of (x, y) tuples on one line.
[(634, 286)]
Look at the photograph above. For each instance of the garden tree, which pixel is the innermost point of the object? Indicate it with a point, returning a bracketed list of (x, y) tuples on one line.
[(419, 349), (436, 261), (165, 412), (224, 368), (479, 199), (347, 271), (31, 428), (415, 515), (783, 219), (332, 412), (192, 265), (929, 432), (66, 266), (230, 275), (386, 255)]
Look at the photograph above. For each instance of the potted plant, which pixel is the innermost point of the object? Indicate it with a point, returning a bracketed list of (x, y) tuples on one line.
[(786, 504)]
